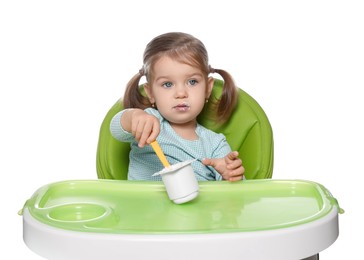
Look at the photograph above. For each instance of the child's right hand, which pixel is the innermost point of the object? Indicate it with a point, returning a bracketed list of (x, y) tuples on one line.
[(143, 126)]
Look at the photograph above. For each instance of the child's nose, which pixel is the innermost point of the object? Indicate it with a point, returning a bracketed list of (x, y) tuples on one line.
[(181, 91)]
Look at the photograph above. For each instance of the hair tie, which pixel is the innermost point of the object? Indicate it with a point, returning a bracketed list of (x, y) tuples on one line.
[(141, 72), (211, 69)]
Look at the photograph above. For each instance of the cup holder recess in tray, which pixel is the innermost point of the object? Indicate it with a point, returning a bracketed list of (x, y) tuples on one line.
[(78, 212)]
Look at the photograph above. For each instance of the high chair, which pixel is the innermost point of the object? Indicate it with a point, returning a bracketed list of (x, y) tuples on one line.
[(113, 218)]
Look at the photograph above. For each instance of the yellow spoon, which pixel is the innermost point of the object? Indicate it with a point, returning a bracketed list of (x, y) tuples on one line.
[(158, 150)]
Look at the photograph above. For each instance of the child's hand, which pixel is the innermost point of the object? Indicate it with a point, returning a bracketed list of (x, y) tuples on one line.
[(230, 167), (143, 126)]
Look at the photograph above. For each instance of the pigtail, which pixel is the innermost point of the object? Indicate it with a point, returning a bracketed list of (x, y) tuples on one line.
[(133, 97), (229, 97)]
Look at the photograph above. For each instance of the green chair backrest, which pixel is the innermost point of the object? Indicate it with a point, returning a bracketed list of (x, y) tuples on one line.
[(248, 131)]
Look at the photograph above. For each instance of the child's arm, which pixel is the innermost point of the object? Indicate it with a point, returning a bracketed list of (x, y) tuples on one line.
[(143, 126), (230, 167)]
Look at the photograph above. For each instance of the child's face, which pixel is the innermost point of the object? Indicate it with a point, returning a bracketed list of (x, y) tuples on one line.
[(178, 90)]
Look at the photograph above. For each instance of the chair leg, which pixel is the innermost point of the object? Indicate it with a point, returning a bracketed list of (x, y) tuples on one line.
[(314, 257)]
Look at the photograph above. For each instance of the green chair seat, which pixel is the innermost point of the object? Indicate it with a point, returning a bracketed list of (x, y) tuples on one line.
[(248, 131)]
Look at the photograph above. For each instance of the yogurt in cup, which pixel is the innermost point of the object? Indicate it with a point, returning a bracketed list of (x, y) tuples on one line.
[(180, 182)]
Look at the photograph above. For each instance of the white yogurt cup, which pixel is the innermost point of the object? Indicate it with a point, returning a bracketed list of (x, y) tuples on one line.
[(180, 182)]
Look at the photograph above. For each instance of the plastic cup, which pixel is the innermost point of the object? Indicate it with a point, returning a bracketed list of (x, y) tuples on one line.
[(180, 182)]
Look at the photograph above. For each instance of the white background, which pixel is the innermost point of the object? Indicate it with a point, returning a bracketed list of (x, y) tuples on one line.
[(64, 63)]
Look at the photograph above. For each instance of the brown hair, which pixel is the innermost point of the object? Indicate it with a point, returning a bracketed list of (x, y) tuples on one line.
[(186, 49)]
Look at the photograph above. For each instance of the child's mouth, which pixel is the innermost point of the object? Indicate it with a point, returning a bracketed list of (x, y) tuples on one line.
[(182, 107)]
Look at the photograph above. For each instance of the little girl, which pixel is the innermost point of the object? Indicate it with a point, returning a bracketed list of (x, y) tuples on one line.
[(166, 108)]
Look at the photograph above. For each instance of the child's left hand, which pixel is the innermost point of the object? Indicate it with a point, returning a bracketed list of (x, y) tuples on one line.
[(230, 167)]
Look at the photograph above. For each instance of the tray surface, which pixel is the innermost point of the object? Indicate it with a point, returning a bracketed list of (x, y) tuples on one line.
[(130, 207)]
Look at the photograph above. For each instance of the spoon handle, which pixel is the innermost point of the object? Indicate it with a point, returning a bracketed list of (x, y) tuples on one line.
[(158, 150)]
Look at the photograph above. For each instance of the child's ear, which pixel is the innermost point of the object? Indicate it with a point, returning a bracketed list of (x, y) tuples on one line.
[(149, 92), (210, 85)]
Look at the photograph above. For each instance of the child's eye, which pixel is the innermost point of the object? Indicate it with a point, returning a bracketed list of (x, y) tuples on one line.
[(167, 84), (192, 82)]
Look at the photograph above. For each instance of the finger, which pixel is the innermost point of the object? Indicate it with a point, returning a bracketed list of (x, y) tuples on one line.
[(137, 129), (232, 155), (154, 132), (237, 172), (237, 178), (234, 175), (208, 162), (234, 164), (146, 132)]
